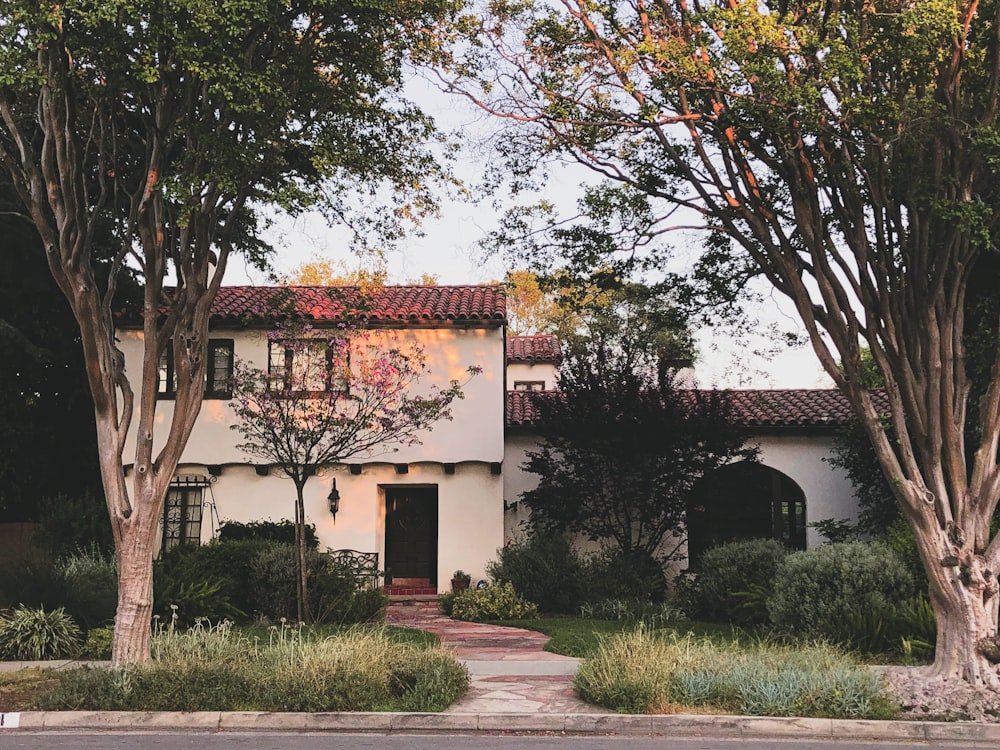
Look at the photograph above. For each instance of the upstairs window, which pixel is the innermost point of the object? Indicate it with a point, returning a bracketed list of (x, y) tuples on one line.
[(218, 371), (529, 385), (307, 367)]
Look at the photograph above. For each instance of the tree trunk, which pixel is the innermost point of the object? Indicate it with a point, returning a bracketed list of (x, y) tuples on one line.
[(963, 594), (135, 599), (301, 582)]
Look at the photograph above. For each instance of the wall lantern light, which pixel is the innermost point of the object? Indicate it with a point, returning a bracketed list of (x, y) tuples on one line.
[(334, 499)]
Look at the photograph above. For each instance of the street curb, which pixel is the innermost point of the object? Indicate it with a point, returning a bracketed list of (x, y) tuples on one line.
[(674, 725)]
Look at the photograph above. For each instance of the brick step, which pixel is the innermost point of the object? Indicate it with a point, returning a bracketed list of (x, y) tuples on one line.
[(392, 590)]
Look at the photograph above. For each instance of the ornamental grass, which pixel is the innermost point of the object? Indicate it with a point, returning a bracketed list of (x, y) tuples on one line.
[(657, 672), (213, 668)]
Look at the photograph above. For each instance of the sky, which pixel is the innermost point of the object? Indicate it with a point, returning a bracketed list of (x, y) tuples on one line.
[(448, 249)]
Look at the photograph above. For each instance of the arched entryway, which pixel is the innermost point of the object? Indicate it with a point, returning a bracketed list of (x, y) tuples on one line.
[(745, 501)]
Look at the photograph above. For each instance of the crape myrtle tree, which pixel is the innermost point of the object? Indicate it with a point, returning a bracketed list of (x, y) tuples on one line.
[(849, 153), (622, 444), (329, 395), (181, 126)]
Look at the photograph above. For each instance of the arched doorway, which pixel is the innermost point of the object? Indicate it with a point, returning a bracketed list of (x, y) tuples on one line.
[(745, 501)]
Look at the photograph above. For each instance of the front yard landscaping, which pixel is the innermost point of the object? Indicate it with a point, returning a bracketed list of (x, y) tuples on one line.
[(219, 668)]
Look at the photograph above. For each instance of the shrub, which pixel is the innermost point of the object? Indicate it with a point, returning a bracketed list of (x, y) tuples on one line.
[(731, 571), (497, 602), (267, 531), (225, 563), (546, 569), (625, 575), (98, 645), (900, 537), (366, 605), (33, 634), (447, 603), (335, 595), (67, 523), (643, 672), (251, 578), (815, 589), (84, 583), (271, 579), (90, 576), (31, 583), (182, 602)]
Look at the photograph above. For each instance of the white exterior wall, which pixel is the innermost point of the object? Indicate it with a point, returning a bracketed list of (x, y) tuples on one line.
[(828, 491), (516, 481), (470, 501), (474, 434), (517, 371), (470, 509)]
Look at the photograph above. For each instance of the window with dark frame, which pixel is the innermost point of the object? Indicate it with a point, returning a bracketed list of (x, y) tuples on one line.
[(286, 366), (218, 371), (182, 514), (529, 385)]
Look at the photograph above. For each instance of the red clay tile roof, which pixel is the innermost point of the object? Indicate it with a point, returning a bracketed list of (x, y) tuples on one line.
[(521, 409), (391, 303), (795, 406), (538, 348), (754, 408)]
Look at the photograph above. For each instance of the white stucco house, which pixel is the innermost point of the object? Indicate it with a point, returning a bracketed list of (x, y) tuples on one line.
[(451, 501)]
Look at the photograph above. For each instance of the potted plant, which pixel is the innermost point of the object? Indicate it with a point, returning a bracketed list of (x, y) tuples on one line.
[(460, 581)]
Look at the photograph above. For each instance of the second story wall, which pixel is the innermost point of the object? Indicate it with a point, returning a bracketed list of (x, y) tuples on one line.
[(474, 434)]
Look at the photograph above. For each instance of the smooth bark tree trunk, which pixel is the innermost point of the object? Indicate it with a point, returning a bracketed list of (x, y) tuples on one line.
[(963, 594), (301, 571), (135, 601)]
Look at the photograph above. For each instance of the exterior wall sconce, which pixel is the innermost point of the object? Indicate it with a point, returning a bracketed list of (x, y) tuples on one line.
[(334, 499)]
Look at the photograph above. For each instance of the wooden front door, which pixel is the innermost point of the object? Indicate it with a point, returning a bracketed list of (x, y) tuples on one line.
[(411, 535)]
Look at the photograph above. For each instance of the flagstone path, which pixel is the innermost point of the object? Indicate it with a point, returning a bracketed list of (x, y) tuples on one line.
[(510, 672)]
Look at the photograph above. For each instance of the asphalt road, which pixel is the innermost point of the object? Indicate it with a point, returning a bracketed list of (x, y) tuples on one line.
[(320, 741)]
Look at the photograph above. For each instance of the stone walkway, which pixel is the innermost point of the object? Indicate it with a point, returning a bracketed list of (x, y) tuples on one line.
[(509, 670)]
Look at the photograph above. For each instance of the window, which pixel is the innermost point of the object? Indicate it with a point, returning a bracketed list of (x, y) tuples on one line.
[(182, 516), (529, 385), (306, 367), (218, 371)]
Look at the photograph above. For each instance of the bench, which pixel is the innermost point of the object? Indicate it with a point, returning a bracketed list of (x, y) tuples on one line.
[(362, 565)]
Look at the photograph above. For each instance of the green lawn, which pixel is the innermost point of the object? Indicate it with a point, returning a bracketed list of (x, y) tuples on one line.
[(580, 636)]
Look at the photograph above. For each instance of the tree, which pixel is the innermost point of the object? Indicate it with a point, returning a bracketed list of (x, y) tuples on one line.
[(340, 393), (847, 152), (176, 124), (622, 446), (324, 272), (529, 309)]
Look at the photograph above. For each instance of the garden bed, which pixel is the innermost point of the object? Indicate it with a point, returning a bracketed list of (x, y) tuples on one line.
[(284, 669)]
